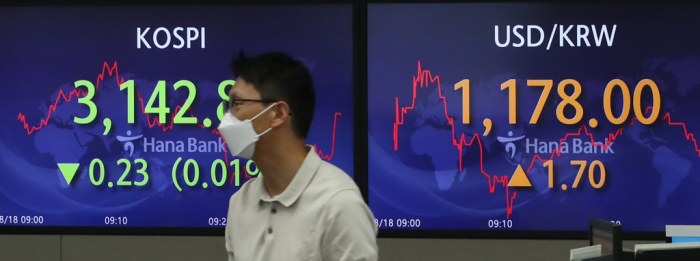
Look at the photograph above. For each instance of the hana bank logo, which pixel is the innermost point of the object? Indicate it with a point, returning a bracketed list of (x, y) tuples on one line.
[(510, 146), (127, 140)]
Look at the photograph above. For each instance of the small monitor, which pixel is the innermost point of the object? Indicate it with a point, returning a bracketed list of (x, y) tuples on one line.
[(606, 234), (662, 253), (688, 254), (685, 239), (682, 233)]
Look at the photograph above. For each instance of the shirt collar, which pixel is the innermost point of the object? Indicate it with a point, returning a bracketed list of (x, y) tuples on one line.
[(299, 183)]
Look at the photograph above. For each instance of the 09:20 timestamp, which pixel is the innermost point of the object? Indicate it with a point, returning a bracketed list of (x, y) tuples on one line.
[(217, 221)]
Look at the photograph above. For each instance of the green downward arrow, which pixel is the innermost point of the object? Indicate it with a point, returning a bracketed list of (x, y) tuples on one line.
[(68, 170)]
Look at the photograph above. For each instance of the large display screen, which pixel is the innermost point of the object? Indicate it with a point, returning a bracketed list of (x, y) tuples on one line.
[(110, 113), (533, 116)]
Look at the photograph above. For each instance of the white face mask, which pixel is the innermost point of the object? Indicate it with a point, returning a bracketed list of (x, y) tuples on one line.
[(239, 135)]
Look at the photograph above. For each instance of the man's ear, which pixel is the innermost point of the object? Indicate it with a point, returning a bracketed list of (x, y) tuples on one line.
[(279, 114)]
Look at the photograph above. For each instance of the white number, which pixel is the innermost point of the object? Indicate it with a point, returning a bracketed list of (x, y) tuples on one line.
[(495, 223)]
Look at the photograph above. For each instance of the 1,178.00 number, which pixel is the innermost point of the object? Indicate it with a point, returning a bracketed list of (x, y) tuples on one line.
[(628, 101)]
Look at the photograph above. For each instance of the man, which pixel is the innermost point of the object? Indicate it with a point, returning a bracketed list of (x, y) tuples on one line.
[(300, 207)]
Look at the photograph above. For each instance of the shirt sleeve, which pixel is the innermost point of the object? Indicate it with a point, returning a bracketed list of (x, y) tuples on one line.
[(350, 233), (227, 234), (229, 249)]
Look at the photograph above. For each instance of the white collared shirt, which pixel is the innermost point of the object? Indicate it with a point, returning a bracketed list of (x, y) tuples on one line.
[(320, 216)]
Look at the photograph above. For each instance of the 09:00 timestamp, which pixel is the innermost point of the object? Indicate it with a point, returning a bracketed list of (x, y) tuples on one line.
[(399, 222), (24, 220)]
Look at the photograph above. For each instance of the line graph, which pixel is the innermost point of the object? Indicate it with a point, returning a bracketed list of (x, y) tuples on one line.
[(62, 96), (77, 93), (613, 137), (424, 78), (113, 70), (319, 152)]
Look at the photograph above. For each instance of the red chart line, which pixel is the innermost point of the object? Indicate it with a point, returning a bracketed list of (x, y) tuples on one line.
[(62, 96), (614, 136), (422, 80), (114, 71), (106, 69), (319, 152), (425, 77)]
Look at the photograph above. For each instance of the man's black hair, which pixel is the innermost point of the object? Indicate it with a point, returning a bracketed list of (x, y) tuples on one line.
[(276, 76)]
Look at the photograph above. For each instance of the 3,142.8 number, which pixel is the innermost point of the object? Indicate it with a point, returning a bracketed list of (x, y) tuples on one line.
[(156, 103)]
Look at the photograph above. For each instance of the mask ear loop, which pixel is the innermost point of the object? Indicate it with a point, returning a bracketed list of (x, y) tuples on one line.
[(266, 109), (256, 116), (263, 133)]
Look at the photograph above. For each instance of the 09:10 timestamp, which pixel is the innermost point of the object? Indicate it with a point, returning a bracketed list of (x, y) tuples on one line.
[(116, 220), (495, 223)]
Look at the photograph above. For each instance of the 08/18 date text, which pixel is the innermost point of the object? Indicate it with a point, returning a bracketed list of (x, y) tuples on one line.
[(24, 220), (399, 222)]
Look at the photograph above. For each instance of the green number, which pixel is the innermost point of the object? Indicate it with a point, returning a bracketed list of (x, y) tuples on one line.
[(187, 173), (222, 93), (222, 164), (92, 172), (121, 181), (237, 171), (174, 172), (252, 173), (130, 99), (142, 171), (180, 117), (162, 110), (87, 100)]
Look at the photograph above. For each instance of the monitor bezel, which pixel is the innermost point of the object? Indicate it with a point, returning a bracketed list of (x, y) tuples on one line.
[(198, 231), (483, 234), (359, 9)]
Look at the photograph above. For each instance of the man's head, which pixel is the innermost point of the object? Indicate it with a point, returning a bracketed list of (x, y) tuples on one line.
[(277, 81)]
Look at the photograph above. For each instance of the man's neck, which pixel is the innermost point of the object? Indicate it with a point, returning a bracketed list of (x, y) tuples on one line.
[(279, 166)]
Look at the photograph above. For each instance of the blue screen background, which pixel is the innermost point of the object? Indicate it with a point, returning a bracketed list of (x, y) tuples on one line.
[(46, 49), (423, 50)]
